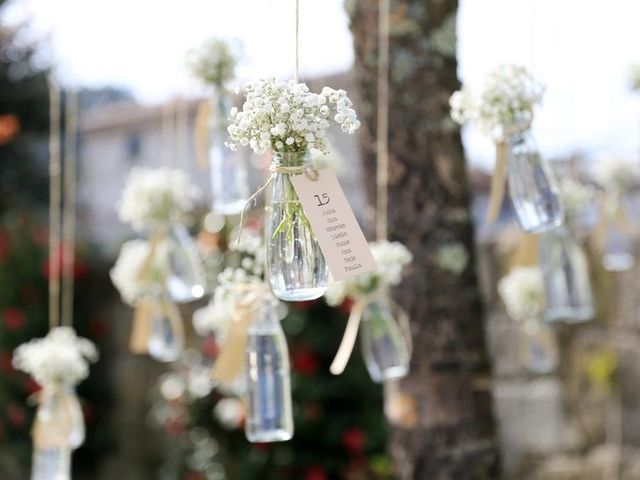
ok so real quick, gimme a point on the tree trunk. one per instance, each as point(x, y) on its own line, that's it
point(442, 414)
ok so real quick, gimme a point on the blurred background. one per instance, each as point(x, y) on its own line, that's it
point(138, 104)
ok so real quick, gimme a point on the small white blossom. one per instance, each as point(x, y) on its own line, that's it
point(505, 101)
point(617, 174)
point(60, 357)
point(522, 293)
point(390, 257)
point(575, 196)
point(125, 274)
point(155, 197)
point(287, 117)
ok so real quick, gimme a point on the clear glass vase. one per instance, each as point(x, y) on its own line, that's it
point(538, 348)
point(268, 382)
point(229, 178)
point(185, 279)
point(619, 249)
point(59, 419)
point(166, 332)
point(51, 464)
point(384, 347)
point(565, 272)
point(532, 186)
point(296, 267)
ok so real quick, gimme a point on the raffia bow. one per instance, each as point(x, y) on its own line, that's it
point(53, 431)
point(353, 325)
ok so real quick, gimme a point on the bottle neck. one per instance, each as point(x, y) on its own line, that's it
point(292, 159)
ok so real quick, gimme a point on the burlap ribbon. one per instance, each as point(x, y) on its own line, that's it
point(201, 133)
point(353, 325)
point(498, 181)
point(527, 251)
point(53, 431)
point(230, 361)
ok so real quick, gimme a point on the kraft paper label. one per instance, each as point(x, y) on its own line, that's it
point(334, 224)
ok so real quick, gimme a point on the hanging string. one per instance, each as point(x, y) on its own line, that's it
point(69, 210)
point(382, 140)
point(296, 72)
point(55, 167)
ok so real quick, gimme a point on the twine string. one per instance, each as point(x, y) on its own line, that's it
point(70, 203)
point(382, 140)
point(296, 72)
point(55, 167)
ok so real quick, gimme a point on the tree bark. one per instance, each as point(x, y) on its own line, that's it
point(442, 415)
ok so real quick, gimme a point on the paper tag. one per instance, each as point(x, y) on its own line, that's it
point(334, 225)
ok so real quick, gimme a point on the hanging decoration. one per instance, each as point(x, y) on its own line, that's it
point(384, 330)
point(522, 292)
point(615, 232)
point(503, 109)
point(214, 65)
point(565, 270)
point(289, 120)
point(59, 361)
point(152, 275)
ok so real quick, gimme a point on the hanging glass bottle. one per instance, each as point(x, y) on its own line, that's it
point(532, 186)
point(229, 179)
point(538, 349)
point(385, 350)
point(296, 267)
point(185, 279)
point(618, 250)
point(58, 429)
point(267, 375)
point(565, 273)
point(166, 332)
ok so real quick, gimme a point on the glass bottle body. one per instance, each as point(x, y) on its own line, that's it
point(532, 186)
point(166, 335)
point(565, 274)
point(228, 169)
point(51, 464)
point(296, 267)
point(185, 278)
point(385, 350)
point(538, 349)
point(268, 382)
point(619, 249)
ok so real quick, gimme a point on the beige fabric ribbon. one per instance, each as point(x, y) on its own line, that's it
point(230, 361)
point(526, 253)
point(498, 181)
point(353, 325)
point(201, 134)
point(53, 431)
point(144, 312)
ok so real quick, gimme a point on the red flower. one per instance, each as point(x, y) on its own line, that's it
point(345, 307)
point(5, 363)
point(9, 127)
point(31, 386)
point(193, 475)
point(13, 318)
point(16, 415)
point(98, 328)
point(316, 472)
point(353, 440)
point(5, 245)
point(210, 347)
point(304, 362)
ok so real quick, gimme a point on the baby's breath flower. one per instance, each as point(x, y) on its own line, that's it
point(505, 101)
point(287, 117)
point(613, 173)
point(522, 293)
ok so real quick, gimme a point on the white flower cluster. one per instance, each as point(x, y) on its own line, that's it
point(522, 292)
point(391, 258)
point(125, 274)
point(154, 197)
point(505, 101)
point(634, 78)
point(575, 196)
point(250, 243)
point(287, 117)
point(214, 318)
point(60, 357)
point(617, 174)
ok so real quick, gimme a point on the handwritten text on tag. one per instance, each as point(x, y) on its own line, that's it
point(334, 225)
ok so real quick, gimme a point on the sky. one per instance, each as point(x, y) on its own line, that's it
point(581, 49)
